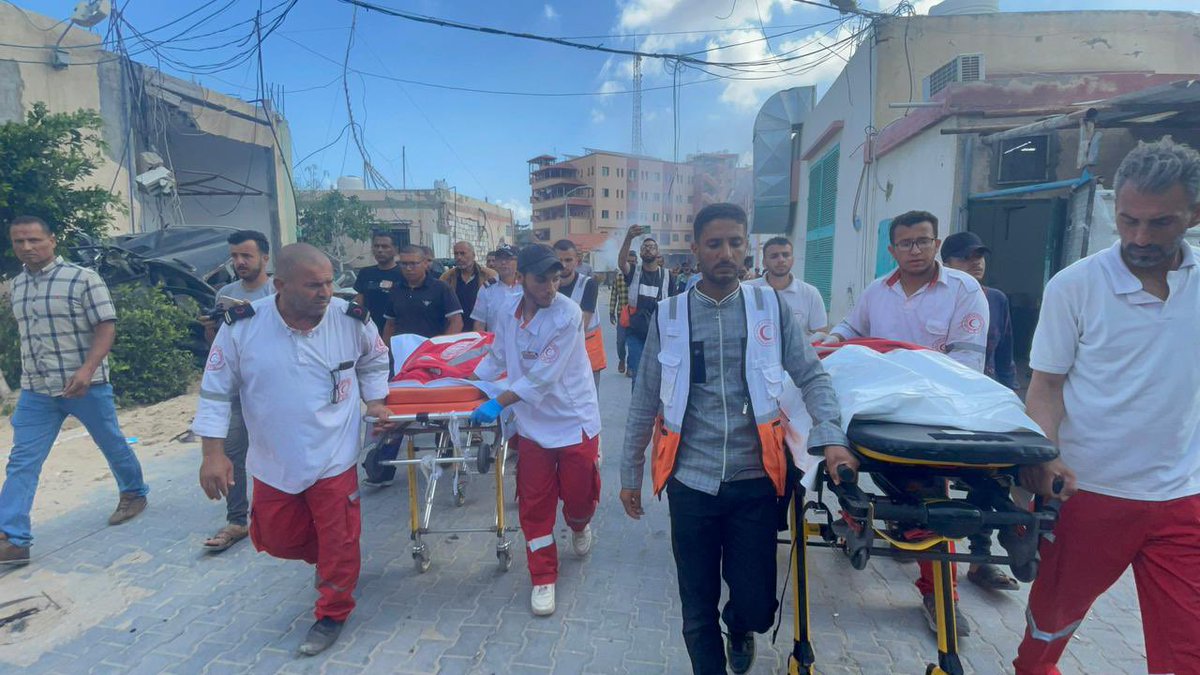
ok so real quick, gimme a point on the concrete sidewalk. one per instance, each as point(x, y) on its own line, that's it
point(144, 598)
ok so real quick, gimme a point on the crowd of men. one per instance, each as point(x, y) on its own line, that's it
point(1115, 384)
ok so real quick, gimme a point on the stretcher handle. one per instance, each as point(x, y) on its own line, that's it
point(846, 474)
point(422, 417)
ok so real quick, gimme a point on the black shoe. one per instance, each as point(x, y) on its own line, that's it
point(739, 650)
point(322, 634)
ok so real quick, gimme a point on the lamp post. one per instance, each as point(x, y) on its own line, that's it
point(567, 204)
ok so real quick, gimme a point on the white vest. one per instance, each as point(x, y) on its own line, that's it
point(765, 376)
point(577, 296)
point(636, 288)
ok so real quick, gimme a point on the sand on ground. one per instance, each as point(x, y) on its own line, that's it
point(76, 468)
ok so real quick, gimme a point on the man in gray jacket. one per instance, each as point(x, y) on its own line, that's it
point(718, 438)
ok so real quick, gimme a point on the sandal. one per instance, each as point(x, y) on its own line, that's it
point(992, 578)
point(227, 536)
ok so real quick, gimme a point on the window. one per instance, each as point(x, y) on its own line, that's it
point(643, 175)
point(687, 237)
point(644, 196)
point(591, 170)
point(604, 214)
point(689, 217)
point(604, 171)
point(620, 215)
point(604, 192)
point(655, 217)
point(679, 217)
point(620, 172)
point(821, 225)
point(620, 193)
point(675, 236)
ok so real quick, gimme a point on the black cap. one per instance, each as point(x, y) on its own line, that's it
point(505, 251)
point(537, 259)
point(963, 245)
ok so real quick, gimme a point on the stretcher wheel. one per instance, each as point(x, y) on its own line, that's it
point(421, 559)
point(460, 495)
point(859, 558)
point(505, 558)
point(485, 457)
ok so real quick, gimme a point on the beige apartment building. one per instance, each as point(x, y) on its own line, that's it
point(592, 199)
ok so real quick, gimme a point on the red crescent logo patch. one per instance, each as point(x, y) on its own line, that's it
point(972, 323)
point(764, 332)
point(216, 359)
point(550, 354)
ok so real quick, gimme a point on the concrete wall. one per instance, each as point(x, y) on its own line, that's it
point(198, 130)
point(923, 171)
point(1020, 43)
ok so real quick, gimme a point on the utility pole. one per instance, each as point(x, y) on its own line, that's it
point(637, 105)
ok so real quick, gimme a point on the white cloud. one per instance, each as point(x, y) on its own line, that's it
point(522, 212)
point(550, 12)
point(598, 116)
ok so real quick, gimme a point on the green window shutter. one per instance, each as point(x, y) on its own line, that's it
point(822, 223)
point(884, 262)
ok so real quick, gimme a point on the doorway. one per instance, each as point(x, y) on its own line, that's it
point(1025, 237)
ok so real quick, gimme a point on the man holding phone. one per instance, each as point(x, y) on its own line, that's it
point(250, 252)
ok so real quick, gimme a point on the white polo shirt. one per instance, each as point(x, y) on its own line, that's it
point(950, 315)
point(1132, 394)
point(549, 369)
point(805, 301)
point(491, 300)
point(302, 426)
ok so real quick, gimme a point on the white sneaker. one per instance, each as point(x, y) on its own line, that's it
point(542, 600)
point(582, 541)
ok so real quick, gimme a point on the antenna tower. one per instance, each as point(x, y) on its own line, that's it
point(637, 105)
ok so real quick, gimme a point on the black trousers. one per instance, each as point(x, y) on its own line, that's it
point(730, 535)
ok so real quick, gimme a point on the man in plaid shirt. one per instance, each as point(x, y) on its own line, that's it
point(616, 303)
point(67, 324)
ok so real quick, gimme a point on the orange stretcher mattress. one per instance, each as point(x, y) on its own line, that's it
point(416, 400)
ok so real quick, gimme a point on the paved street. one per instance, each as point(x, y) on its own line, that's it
point(143, 598)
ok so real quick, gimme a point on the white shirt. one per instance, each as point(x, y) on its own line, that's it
point(950, 314)
point(1132, 393)
point(805, 301)
point(491, 300)
point(297, 436)
point(548, 368)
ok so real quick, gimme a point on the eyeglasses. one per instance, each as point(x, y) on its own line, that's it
point(334, 380)
point(923, 244)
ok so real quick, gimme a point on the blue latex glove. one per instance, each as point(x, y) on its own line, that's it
point(487, 413)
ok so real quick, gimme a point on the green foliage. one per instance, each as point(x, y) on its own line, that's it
point(148, 361)
point(329, 220)
point(10, 346)
point(42, 161)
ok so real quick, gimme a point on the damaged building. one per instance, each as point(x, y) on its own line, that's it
point(178, 154)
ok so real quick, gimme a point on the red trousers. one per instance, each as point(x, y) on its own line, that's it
point(320, 526)
point(925, 581)
point(543, 477)
point(1097, 538)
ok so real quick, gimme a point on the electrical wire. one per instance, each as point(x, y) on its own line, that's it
point(446, 23)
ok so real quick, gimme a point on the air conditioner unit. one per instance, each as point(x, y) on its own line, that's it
point(962, 68)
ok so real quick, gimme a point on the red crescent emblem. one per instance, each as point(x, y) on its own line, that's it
point(972, 323)
point(764, 332)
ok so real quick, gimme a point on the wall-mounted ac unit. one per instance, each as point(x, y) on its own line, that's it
point(962, 68)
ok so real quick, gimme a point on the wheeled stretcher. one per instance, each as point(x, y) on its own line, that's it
point(921, 523)
point(460, 448)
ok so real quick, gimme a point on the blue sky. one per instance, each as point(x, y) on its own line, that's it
point(479, 142)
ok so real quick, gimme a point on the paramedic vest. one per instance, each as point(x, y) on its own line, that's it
point(635, 286)
point(577, 297)
point(764, 381)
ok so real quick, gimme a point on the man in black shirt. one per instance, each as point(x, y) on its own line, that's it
point(375, 284)
point(648, 283)
point(420, 305)
point(467, 277)
point(582, 289)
